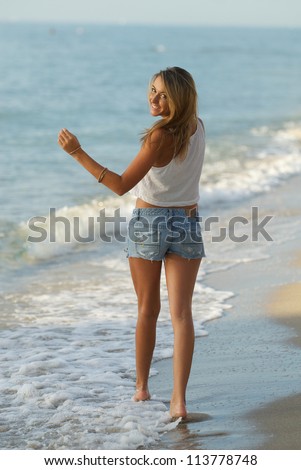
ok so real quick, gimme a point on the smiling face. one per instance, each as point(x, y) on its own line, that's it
point(158, 100)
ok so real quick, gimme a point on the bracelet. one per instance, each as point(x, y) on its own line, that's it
point(73, 151)
point(102, 173)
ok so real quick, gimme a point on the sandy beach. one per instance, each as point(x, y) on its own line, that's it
point(244, 390)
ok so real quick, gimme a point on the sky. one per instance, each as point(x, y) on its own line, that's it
point(194, 12)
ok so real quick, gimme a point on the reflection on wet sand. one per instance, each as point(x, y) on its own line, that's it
point(188, 435)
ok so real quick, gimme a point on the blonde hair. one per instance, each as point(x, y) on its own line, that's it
point(182, 101)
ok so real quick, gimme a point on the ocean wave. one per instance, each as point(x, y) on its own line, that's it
point(69, 228)
point(234, 179)
point(254, 178)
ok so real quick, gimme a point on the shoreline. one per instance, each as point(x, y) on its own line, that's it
point(244, 391)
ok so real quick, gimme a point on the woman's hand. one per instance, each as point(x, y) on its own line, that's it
point(68, 141)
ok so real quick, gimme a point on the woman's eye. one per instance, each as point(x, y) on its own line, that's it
point(162, 95)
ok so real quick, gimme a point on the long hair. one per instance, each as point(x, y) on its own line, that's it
point(182, 101)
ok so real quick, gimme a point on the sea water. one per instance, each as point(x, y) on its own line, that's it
point(68, 308)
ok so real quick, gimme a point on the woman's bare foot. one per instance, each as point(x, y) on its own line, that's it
point(178, 410)
point(141, 395)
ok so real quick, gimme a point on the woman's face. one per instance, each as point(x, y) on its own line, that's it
point(158, 101)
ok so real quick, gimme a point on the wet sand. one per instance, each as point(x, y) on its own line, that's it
point(245, 386)
point(281, 420)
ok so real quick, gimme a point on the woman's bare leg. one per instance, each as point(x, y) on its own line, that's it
point(180, 279)
point(146, 279)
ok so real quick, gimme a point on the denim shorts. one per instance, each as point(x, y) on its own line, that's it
point(154, 233)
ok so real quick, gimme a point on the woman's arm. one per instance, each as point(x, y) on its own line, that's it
point(149, 153)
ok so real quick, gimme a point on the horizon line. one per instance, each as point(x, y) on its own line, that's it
point(145, 24)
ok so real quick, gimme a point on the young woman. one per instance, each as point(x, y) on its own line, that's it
point(164, 177)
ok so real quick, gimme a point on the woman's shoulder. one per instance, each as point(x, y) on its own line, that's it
point(160, 133)
point(160, 138)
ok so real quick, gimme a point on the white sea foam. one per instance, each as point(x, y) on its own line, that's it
point(68, 369)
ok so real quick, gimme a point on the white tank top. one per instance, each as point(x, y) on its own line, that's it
point(177, 183)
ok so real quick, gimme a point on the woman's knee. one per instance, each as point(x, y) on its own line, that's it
point(149, 311)
point(182, 315)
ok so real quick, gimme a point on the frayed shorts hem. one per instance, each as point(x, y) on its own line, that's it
point(166, 256)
